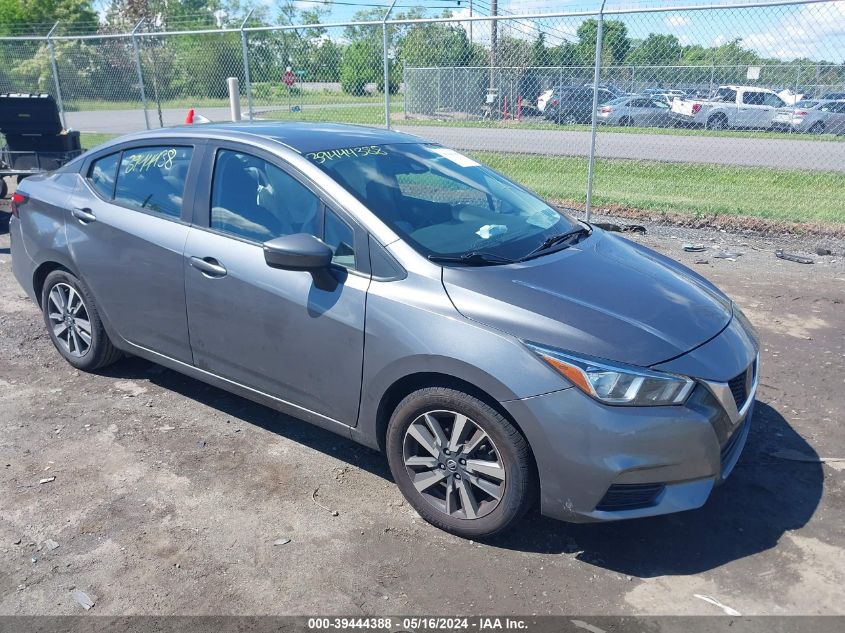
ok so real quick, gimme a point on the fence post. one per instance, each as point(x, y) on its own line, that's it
point(386, 66)
point(140, 71)
point(596, 77)
point(245, 51)
point(56, 75)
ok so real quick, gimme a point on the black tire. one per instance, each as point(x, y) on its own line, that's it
point(511, 447)
point(817, 128)
point(4, 188)
point(100, 351)
point(718, 122)
point(626, 121)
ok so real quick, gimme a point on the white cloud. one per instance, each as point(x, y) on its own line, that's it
point(815, 31)
point(677, 21)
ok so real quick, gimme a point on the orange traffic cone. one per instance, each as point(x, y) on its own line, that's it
point(190, 118)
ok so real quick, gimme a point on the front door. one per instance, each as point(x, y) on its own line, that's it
point(126, 236)
point(274, 330)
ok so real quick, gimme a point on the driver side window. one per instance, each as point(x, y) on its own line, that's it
point(254, 199)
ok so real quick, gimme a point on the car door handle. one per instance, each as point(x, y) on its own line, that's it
point(85, 216)
point(208, 266)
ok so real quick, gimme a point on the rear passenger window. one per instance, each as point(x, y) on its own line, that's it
point(153, 179)
point(102, 175)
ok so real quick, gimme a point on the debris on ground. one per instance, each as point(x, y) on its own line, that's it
point(83, 599)
point(334, 513)
point(702, 261)
point(728, 610)
point(281, 541)
point(729, 255)
point(823, 251)
point(47, 480)
point(50, 544)
point(620, 228)
point(791, 257)
point(130, 388)
point(16, 542)
point(694, 248)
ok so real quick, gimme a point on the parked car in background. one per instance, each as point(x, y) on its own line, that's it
point(642, 111)
point(815, 116)
point(834, 95)
point(497, 349)
point(729, 107)
point(574, 104)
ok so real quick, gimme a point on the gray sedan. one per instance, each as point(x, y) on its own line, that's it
point(396, 292)
point(816, 116)
point(639, 111)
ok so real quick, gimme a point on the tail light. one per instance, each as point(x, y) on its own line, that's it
point(17, 200)
point(555, 102)
point(696, 108)
point(607, 109)
point(799, 113)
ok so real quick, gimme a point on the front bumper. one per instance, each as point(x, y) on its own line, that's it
point(601, 463)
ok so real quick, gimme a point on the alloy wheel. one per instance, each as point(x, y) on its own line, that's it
point(69, 319)
point(454, 464)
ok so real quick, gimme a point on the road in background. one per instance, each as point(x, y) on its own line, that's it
point(810, 155)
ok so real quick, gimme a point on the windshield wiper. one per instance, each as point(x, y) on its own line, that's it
point(554, 240)
point(473, 258)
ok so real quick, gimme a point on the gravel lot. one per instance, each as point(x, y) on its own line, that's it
point(168, 495)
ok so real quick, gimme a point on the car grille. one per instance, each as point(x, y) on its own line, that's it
point(629, 496)
point(739, 386)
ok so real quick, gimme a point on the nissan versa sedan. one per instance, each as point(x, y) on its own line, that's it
point(394, 291)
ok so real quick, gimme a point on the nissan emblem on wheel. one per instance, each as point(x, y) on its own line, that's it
point(499, 351)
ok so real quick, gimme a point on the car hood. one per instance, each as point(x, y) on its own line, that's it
point(604, 297)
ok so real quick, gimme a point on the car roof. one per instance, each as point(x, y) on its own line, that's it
point(303, 137)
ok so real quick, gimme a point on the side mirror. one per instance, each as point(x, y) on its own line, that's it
point(302, 251)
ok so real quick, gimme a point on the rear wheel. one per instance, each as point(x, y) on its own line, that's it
point(74, 324)
point(626, 121)
point(718, 122)
point(461, 464)
point(4, 188)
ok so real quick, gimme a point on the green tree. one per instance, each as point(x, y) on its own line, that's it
point(360, 66)
point(616, 42)
point(656, 50)
point(75, 16)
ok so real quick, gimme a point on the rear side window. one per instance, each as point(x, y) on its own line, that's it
point(153, 179)
point(102, 175)
point(754, 98)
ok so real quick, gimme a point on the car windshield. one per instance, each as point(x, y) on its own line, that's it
point(443, 203)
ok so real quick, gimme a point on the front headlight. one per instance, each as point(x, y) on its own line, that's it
point(617, 384)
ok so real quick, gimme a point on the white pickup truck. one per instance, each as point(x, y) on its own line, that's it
point(729, 107)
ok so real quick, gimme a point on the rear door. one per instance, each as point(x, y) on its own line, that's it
point(268, 329)
point(126, 234)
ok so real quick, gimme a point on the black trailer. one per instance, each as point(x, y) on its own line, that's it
point(35, 139)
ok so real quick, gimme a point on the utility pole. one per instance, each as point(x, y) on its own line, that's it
point(470, 23)
point(494, 27)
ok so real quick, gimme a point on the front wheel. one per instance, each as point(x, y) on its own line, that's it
point(460, 463)
point(74, 324)
point(817, 128)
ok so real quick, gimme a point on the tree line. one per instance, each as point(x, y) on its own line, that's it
point(196, 65)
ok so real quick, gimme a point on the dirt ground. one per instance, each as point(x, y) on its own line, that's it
point(168, 495)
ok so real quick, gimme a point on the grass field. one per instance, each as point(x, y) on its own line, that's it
point(772, 194)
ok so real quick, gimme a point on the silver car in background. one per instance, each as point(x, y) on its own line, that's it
point(814, 116)
point(638, 110)
point(495, 348)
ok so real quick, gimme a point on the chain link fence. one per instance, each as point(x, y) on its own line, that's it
point(699, 119)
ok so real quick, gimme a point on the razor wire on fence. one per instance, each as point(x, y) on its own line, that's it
point(724, 115)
